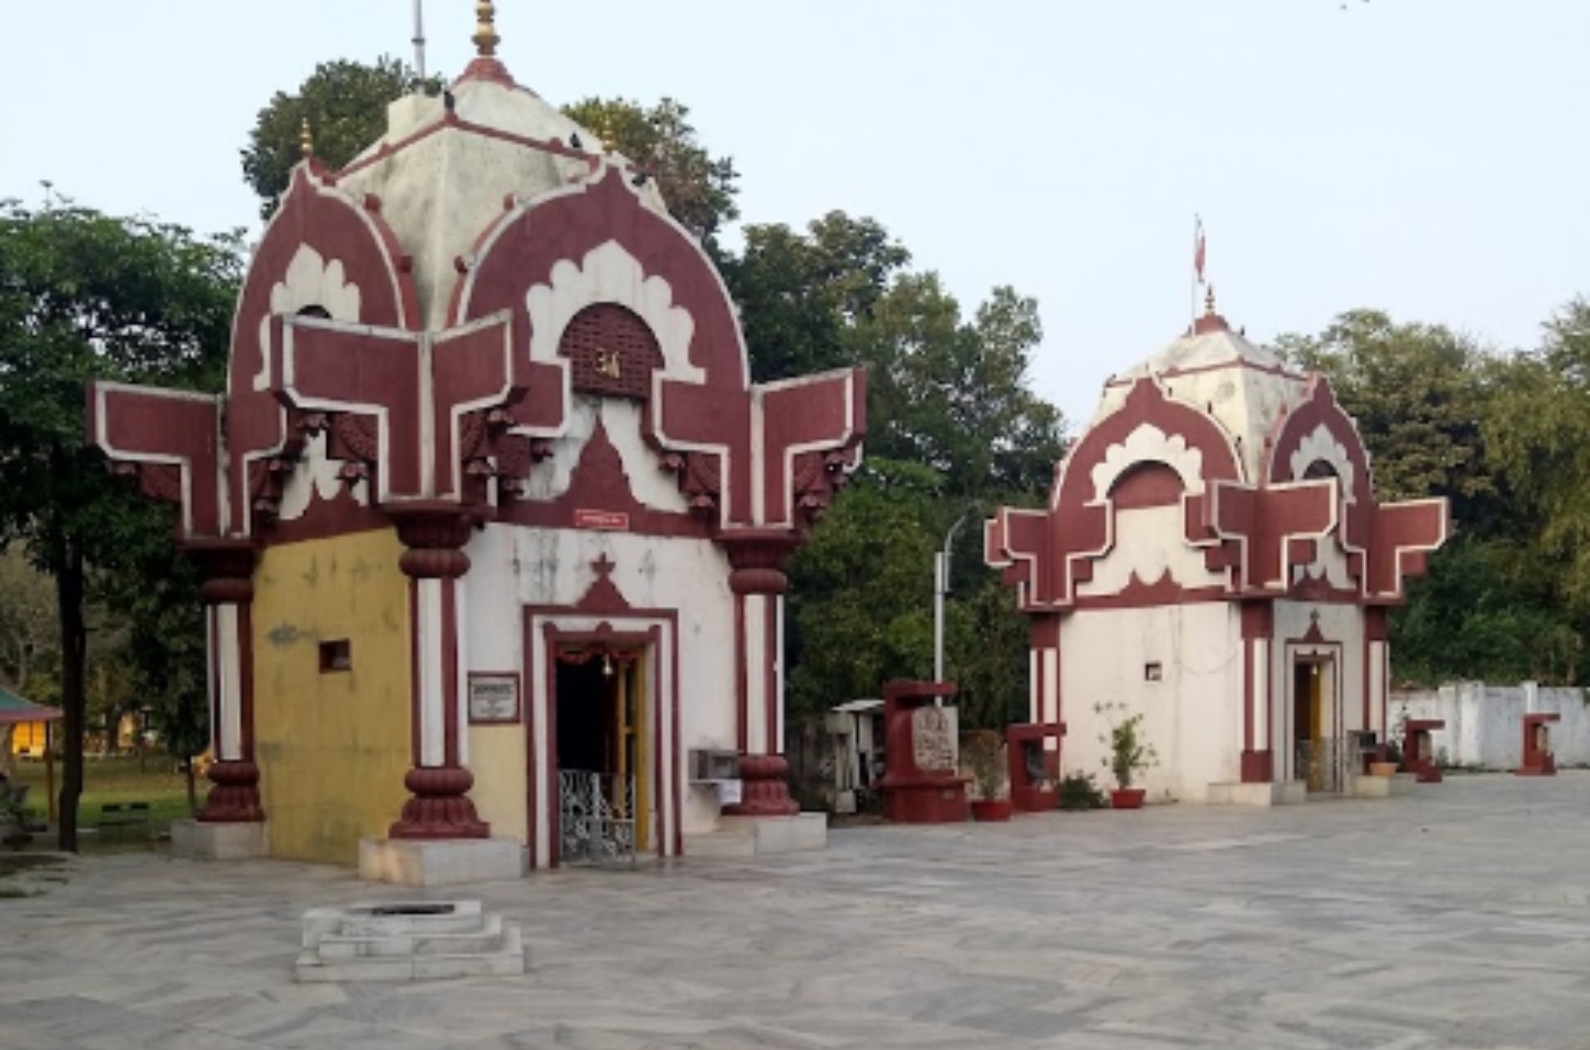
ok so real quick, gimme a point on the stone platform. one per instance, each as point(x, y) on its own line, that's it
point(407, 940)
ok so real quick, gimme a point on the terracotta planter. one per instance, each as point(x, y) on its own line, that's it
point(1382, 769)
point(1127, 798)
point(991, 809)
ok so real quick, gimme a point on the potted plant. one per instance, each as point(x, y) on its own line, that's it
point(986, 761)
point(1129, 753)
point(1389, 762)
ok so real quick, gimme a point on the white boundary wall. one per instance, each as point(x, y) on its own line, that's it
point(1484, 723)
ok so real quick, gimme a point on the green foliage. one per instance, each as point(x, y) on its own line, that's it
point(699, 189)
point(1483, 611)
point(1080, 791)
point(802, 296)
point(1541, 432)
point(1130, 751)
point(862, 591)
point(345, 104)
point(85, 295)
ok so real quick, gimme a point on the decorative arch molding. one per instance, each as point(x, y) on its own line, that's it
point(1318, 429)
point(323, 248)
point(1144, 445)
point(566, 240)
point(1321, 446)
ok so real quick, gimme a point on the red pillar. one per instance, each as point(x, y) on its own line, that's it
point(227, 566)
point(439, 783)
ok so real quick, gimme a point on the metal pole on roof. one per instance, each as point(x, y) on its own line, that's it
point(419, 38)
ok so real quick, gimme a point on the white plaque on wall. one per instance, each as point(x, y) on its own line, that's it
point(493, 697)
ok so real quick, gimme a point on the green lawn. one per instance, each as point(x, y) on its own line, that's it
point(119, 780)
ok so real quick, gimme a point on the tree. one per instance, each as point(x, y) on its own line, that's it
point(345, 104)
point(862, 590)
point(27, 622)
point(802, 295)
point(699, 189)
point(86, 295)
point(1540, 429)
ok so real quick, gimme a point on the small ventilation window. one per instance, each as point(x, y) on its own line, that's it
point(1153, 672)
point(336, 656)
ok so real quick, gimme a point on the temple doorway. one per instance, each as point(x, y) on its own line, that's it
point(1315, 747)
point(601, 752)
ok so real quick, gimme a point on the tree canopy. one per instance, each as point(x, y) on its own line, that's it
point(344, 103)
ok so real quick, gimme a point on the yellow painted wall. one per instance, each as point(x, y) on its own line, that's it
point(497, 758)
point(332, 747)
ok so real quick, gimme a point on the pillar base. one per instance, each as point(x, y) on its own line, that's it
point(441, 807)
point(235, 797)
point(440, 862)
point(764, 789)
point(209, 840)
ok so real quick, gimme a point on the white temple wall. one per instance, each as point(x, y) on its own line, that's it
point(1147, 545)
point(1192, 713)
point(515, 567)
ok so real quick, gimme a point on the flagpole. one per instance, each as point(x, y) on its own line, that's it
point(1192, 299)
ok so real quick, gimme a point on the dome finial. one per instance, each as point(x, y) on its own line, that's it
point(486, 38)
point(1209, 302)
point(306, 140)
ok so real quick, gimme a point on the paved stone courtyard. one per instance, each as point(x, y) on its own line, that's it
point(1456, 917)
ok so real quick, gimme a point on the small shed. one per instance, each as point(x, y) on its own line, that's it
point(855, 733)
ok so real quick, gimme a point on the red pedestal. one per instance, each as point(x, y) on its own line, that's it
point(1418, 752)
point(1538, 758)
point(1034, 771)
point(919, 792)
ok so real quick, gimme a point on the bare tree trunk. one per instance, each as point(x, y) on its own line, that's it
point(74, 702)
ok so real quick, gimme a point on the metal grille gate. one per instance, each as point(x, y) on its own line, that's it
point(596, 818)
point(1325, 764)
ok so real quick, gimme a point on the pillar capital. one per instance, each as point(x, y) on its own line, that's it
point(758, 558)
point(435, 534)
point(227, 568)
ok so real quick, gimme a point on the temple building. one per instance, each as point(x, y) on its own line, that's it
point(1213, 558)
point(492, 520)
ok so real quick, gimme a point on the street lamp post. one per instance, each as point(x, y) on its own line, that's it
point(941, 587)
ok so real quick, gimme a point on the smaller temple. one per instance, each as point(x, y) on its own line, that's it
point(1213, 557)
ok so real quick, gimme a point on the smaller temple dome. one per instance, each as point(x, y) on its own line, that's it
point(1242, 386)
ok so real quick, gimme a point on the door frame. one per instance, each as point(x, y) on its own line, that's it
point(656, 633)
point(1328, 656)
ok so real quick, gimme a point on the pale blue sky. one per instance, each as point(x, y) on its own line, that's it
point(1423, 156)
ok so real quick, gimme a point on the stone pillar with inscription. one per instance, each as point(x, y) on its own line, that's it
point(922, 784)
